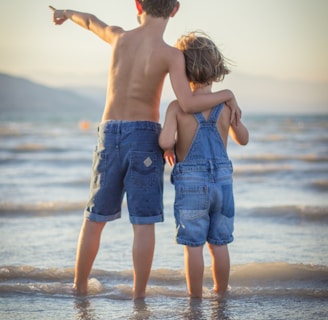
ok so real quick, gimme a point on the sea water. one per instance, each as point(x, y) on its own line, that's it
point(279, 259)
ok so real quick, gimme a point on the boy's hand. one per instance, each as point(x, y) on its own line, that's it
point(58, 16)
point(169, 157)
point(235, 111)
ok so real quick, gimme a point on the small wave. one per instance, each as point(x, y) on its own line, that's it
point(29, 147)
point(280, 273)
point(44, 208)
point(308, 213)
point(35, 147)
point(9, 132)
point(33, 273)
point(28, 273)
point(321, 185)
point(273, 137)
point(255, 278)
point(53, 288)
point(310, 157)
point(251, 169)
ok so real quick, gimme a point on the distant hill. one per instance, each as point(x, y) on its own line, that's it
point(23, 99)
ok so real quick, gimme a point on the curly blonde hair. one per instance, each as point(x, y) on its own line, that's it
point(204, 62)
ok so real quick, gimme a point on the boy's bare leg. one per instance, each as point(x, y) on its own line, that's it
point(220, 267)
point(194, 269)
point(87, 249)
point(142, 252)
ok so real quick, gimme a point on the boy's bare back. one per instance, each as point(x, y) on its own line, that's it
point(140, 62)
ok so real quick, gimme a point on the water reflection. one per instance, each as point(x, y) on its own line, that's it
point(192, 309)
point(220, 310)
point(198, 309)
point(84, 309)
point(141, 311)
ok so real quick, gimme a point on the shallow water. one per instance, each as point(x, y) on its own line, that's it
point(279, 257)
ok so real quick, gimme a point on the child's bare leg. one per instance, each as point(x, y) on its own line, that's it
point(194, 269)
point(87, 249)
point(220, 267)
point(143, 252)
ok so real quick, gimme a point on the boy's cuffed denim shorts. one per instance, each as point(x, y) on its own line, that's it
point(204, 204)
point(127, 159)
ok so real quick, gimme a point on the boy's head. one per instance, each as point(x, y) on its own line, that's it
point(157, 8)
point(204, 62)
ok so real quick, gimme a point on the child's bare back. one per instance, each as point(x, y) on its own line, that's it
point(188, 127)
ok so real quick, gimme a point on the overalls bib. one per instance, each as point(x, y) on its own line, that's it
point(204, 204)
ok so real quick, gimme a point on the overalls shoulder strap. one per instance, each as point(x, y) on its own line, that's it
point(215, 113)
point(199, 117)
point(213, 116)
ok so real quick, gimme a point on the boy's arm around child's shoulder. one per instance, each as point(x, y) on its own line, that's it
point(191, 103)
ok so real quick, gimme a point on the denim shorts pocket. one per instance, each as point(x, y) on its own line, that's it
point(191, 197)
point(146, 170)
point(99, 168)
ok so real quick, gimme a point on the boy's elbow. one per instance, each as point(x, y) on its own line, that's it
point(187, 108)
point(185, 105)
point(90, 21)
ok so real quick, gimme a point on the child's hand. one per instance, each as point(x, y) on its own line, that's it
point(58, 16)
point(169, 157)
point(235, 111)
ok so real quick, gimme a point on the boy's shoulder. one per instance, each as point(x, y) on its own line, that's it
point(168, 50)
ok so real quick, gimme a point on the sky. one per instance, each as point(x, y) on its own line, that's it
point(279, 48)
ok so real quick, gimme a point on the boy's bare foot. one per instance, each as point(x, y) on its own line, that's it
point(79, 292)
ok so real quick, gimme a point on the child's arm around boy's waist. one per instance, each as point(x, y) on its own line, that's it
point(167, 136)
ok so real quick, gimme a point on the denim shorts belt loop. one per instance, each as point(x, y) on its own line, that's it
point(209, 170)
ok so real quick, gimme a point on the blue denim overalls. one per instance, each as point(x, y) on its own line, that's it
point(204, 203)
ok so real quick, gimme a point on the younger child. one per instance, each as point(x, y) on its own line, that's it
point(202, 174)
